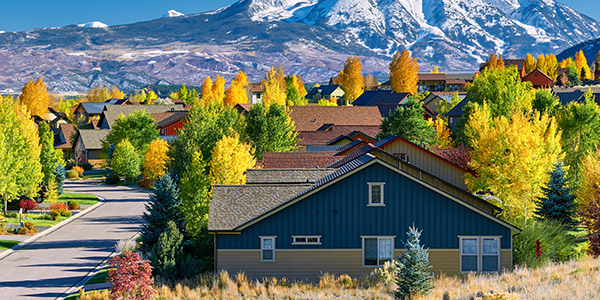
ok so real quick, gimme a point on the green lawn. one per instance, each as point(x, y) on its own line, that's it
point(7, 244)
point(83, 199)
point(37, 219)
point(96, 175)
point(100, 277)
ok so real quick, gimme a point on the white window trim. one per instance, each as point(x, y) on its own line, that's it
point(378, 237)
point(382, 185)
point(294, 237)
point(262, 238)
point(479, 253)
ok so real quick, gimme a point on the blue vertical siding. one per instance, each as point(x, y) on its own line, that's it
point(339, 213)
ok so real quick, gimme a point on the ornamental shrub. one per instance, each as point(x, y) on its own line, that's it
point(86, 166)
point(58, 206)
point(27, 204)
point(167, 251)
point(72, 173)
point(112, 178)
point(79, 170)
point(30, 227)
point(65, 213)
point(73, 205)
point(54, 214)
point(131, 277)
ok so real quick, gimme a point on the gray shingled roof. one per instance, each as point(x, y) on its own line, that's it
point(287, 176)
point(92, 138)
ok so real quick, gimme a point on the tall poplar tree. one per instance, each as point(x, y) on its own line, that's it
point(351, 79)
point(275, 87)
point(236, 93)
point(530, 63)
point(49, 157)
point(404, 73)
point(35, 97)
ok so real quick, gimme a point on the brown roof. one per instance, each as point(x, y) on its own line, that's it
point(311, 118)
point(67, 130)
point(243, 108)
point(285, 176)
point(323, 137)
point(298, 160)
point(334, 80)
point(455, 81)
point(112, 112)
point(432, 76)
point(256, 88)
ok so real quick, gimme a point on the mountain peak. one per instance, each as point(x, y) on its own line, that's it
point(172, 14)
point(94, 24)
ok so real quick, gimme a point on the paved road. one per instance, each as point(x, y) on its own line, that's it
point(51, 265)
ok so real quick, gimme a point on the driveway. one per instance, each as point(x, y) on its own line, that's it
point(48, 267)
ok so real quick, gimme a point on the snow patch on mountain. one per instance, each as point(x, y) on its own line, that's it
point(173, 14)
point(275, 10)
point(94, 24)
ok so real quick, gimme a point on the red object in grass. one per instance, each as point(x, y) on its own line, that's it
point(538, 250)
point(27, 204)
point(58, 206)
point(131, 277)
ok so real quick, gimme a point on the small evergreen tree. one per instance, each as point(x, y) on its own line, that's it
point(413, 270)
point(162, 208)
point(167, 251)
point(558, 202)
point(61, 175)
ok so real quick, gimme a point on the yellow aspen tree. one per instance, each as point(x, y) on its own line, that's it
point(590, 183)
point(436, 70)
point(236, 93)
point(552, 66)
point(299, 85)
point(495, 62)
point(275, 87)
point(404, 73)
point(443, 133)
point(541, 63)
point(565, 62)
point(115, 93)
point(207, 91)
point(530, 63)
point(511, 157)
point(35, 98)
point(156, 159)
point(219, 90)
point(230, 160)
point(351, 79)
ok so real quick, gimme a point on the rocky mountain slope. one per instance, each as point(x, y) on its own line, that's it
point(308, 37)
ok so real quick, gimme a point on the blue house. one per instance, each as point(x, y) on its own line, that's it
point(301, 223)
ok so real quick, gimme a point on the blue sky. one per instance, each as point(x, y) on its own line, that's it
point(18, 15)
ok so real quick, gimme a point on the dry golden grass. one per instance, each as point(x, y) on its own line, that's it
point(572, 280)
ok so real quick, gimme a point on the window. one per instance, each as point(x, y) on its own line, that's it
point(479, 254)
point(376, 194)
point(306, 240)
point(267, 248)
point(377, 250)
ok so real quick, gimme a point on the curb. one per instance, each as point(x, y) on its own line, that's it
point(52, 229)
point(79, 285)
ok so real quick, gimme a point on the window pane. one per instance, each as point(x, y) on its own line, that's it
point(469, 246)
point(469, 264)
point(313, 240)
point(490, 263)
point(268, 243)
point(370, 252)
point(267, 255)
point(386, 250)
point(300, 240)
point(376, 194)
point(490, 246)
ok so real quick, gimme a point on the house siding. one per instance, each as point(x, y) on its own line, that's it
point(339, 213)
point(172, 128)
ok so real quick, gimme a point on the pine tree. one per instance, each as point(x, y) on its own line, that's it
point(414, 274)
point(61, 175)
point(162, 208)
point(404, 73)
point(558, 202)
point(167, 252)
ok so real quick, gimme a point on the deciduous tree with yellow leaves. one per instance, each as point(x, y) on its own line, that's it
point(551, 66)
point(582, 66)
point(207, 91)
point(230, 160)
point(530, 63)
point(156, 159)
point(236, 93)
point(219, 90)
point(588, 194)
point(35, 98)
point(275, 87)
point(495, 62)
point(404, 73)
point(541, 63)
point(443, 133)
point(351, 79)
point(511, 157)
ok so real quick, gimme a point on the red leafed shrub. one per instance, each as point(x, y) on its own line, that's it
point(27, 204)
point(58, 206)
point(131, 277)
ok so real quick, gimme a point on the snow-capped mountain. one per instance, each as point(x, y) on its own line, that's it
point(172, 14)
point(94, 24)
point(311, 38)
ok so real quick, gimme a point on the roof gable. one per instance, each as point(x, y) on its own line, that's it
point(322, 90)
point(376, 98)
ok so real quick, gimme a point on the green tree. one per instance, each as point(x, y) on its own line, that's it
point(270, 129)
point(137, 127)
point(61, 175)
point(408, 122)
point(546, 102)
point(445, 106)
point(558, 202)
point(49, 157)
point(20, 168)
point(573, 74)
point(206, 125)
point(413, 276)
point(195, 196)
point(580, 125)
point(162, 208)
point(167, 252)
point(126, 161)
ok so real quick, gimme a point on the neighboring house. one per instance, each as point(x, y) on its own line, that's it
point(304, 160)
point(55, 119)
point(387, 102)
point(112, 112)
point(435, 82)
point(255, 92)
point(351, 137)
point(62, 139)
point(519, 63)
point(425, 160)
point(169, 125)
point(115, 101)
point(433, 100)
point(299, 225)
point(86, 111)
point(575, 96)
point(327, 92)
point(539, 79)
point(88, 143)
point(456, 113)
point(328, 132)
